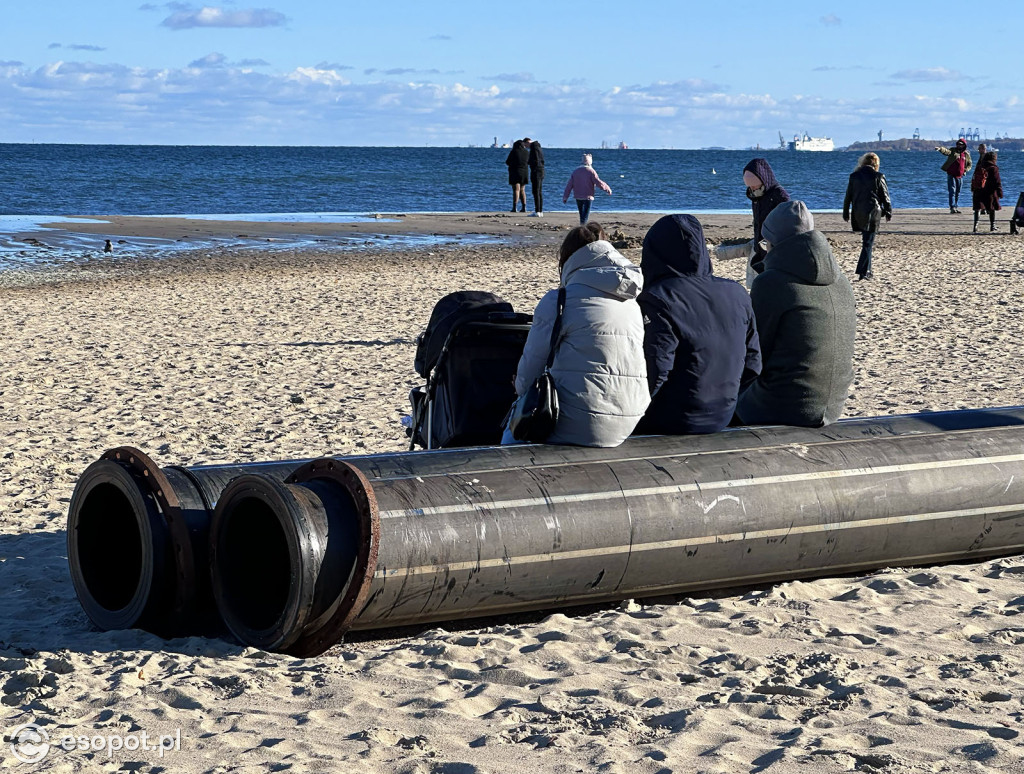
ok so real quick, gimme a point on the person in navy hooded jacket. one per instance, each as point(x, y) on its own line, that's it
point(700, 338)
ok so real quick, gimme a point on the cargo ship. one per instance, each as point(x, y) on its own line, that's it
point(808, 143)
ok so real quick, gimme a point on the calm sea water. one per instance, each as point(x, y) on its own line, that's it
point(193, 180)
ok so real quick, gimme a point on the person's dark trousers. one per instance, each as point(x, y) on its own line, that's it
point(954, 184)
point(537, 183)
point(583, 205)
point(866, 246)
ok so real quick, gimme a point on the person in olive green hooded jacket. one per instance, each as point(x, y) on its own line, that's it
point(806, 318)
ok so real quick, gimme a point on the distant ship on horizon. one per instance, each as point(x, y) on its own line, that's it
point(808, 143)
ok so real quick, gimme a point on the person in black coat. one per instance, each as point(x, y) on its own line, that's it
point(536, 164)
point(986, 190)
point(765, 194)
point(518, 173)
point(700, 339)
point(866, 202)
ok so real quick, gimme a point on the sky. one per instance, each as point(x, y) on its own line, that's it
point(651, 73)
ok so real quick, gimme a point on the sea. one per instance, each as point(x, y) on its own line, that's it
point(39, 182)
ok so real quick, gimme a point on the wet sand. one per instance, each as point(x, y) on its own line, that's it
point(247, 354)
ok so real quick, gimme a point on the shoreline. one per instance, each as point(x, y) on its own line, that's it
point(59, 240)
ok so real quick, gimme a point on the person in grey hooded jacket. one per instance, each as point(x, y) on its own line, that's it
point(599, 368)
point(806, 318)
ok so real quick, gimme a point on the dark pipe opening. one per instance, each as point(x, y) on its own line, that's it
point(254, 564)
point(110, 547)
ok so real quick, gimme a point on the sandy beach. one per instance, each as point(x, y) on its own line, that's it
point(247, 354)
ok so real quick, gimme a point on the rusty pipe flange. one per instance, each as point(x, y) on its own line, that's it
point(331, 626)
point(128, 552)
point(184, 595)
point(264, 559)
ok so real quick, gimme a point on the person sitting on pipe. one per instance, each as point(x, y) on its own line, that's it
point(700, 340)
point(598, 369)
point(806, 317)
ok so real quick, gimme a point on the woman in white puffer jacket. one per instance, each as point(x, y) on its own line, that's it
point(599, 368)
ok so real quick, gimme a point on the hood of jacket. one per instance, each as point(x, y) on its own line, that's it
point(600, 266)
point(673, 247)
point(806, 256)
point(763, 170)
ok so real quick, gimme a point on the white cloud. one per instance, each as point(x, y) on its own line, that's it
point(187, 17)
point(333, 66)
point(210, 60)
point(217, 101)
point(521, 77)
point(831, 20)
point(928, 75)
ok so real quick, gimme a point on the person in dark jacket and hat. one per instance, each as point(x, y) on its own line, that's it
point(700, 340)
point(956, 165)
point(806, 319)
point(866, 202)
point(536, 163)
point(987, 190)
point(765, 195)
point(517, 162)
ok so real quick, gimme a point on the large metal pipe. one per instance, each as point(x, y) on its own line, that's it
point(361, 543)
point(138, 538)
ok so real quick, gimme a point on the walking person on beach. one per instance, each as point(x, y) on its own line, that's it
point(955, 166)
point(536, 164)
point(765, 194)
point(518, 173)
point(581, 184)
point(986, 190)
point(806, 320)
point(866, 202)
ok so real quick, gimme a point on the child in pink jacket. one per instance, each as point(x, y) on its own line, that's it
point(582, 181)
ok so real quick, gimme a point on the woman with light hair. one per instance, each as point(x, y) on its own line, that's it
point(867, 200)
point(581, 184)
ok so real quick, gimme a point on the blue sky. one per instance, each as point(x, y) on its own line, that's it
point(653, 73)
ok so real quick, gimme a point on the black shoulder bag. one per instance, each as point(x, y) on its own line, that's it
point(535, 413)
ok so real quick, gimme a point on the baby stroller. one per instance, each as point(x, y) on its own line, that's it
point(1017, 218)
point(468, 354)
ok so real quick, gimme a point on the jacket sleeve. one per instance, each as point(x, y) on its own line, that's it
point(509, 159)
point(967, 161)
point(660, 343)
point(848, 200)
point(602, 184)
point(568, 189)
point(998, 182)
point(945, 151)
point(768, 311)
point(883, 195)
point(538, 342)
point(752, 364)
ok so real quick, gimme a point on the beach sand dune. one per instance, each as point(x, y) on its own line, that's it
point(248, 356)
